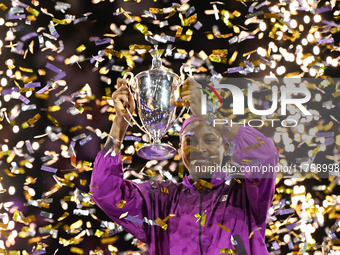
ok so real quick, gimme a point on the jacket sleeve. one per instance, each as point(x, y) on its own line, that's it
point(108, 188)
point(258, 157)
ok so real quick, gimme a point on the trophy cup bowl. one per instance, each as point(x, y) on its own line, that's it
point(156, 96)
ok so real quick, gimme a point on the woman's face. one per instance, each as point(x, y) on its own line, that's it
point(200, 147)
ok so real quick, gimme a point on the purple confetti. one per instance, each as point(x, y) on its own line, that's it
point(329, 141)
point(44, 89)
point(132, 138)
point(235, 69)
point(290, 245)
point(9, 91)
point(275, 245)
point(53, 68)
point(32, 85)
point(134, 219)
point(198, 25)
point(49, 169)
point(330, 23)
point(293, 225)
point(71, 149)
point(287, 211)
point(38, 252)
point(251, 8)
point(325, 134)
point(85, 140)
point(103, 41)
point(20, 46)
point(323, 9)
point(336, 224)
point(29, 147)
point(59, 76)
point(28, 36)
point(24, 99)
point(327, 39)
point(12, 17)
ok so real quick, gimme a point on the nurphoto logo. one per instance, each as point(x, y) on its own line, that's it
point(238, 104)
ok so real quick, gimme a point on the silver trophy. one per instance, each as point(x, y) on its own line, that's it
point(157, 92)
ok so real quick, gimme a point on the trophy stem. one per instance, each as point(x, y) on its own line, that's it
point(156, 137)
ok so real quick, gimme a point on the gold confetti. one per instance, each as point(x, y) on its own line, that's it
point(156, 10)
point(142, 28)
point(217, 59)
point(33, 11)
point(223, 227)
point(168, 217)
point(133, 47)
point(28, 70)
point(65, 214)
point(31, 121)
point(179, 31)
point(62, 22)
point(164, 190)
point(99, 233)
point(246, 161)
point(205, 183)
point(233, 57)
point(54, 108)
point(252, 232)
point(76, 224)
point(77, 250)
point(162, 224)
point(51, 118)
point(73, 129)
point(81, 48)
point(228, 251)
point(83, 182)
point(122, 204)
point(3, 7)
point(272, 15)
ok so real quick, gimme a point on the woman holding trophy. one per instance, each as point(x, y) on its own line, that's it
point(205, 214)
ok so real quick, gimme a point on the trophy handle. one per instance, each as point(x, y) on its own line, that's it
point(131, 79)
point(178, 116)
point(182, 71)
point(133, 91)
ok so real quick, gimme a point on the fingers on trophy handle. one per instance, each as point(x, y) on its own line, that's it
point(126, 75)
point(183, 69)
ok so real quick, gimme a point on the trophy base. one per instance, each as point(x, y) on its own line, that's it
point(157, 151)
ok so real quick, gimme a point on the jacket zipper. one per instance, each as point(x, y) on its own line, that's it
point(200, 231)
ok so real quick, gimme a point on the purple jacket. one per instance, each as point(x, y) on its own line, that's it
point(241, 207)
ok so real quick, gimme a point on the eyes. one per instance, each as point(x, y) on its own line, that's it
point(209, 140)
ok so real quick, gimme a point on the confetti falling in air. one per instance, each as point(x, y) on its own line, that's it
point(58, 66)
